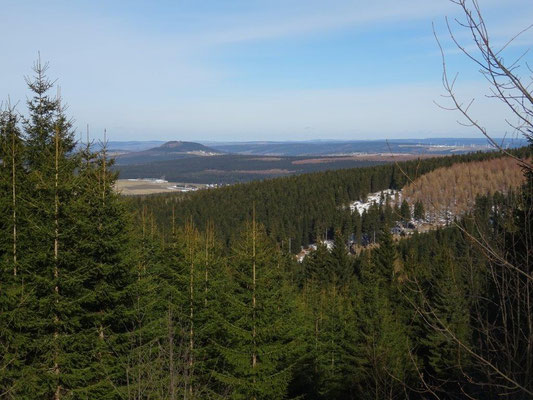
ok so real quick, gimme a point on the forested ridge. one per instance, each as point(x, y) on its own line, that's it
point(300, 209)
point(234, 168)
point(198, 297)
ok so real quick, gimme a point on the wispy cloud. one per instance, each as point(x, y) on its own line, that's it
point(150, 67)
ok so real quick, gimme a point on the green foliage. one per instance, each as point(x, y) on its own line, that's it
point(64, 281)
point(419, 212)
point(257, 321)
point(405, 211)
point(13, 236)
point(450, 313)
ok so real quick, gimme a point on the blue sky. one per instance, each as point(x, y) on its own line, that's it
point(254, 70)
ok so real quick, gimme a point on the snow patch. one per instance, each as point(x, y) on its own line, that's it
point(374, 198)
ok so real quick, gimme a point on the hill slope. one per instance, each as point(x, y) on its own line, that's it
point(297, 206)
point(454, 189)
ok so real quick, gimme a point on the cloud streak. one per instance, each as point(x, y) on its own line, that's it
point(175, 68)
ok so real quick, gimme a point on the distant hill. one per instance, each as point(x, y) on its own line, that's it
point(442, 146)
point(172, 150)
point(181, 147)
point(132, 145)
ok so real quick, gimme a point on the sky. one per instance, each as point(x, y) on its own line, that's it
point(243, 70)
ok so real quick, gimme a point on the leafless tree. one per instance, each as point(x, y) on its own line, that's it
point(509, 82)
point(502, 354)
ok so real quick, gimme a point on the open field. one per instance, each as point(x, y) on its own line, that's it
point(379, 157)
point(130, 187)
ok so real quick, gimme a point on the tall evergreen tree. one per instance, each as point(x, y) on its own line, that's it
point(54, 278)
point(450, 316)
point(99, 242)
point(405, 211)
point(341, 267)
point(385, 343)
point(385, 260)
point(14, 236)
point(419, 212)
point(257, 322)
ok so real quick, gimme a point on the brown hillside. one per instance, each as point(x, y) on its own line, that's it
point(454, 189)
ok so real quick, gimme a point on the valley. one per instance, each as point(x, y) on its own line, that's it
point(299, 200)
point(221, 164)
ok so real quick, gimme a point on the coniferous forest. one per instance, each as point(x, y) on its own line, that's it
point(201, 297)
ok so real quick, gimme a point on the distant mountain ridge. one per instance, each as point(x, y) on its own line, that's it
point(319, 147)
point(338, 147)
point(171, 150)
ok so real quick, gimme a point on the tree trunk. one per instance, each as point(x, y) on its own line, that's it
point(14, 192)
point(254, 353)
point(57, 394)
point(172, 384)
point(191, 310)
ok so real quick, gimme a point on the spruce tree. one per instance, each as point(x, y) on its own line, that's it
point(316, 266)
point(51, 267)
point(449, 319)
point(13, 238)
point(75, 270)
point(419, 212)
point(101, 240)
point(385, 343)
point(338, 350)
point(257, 322)
point(405, 211)
point(385, 257)
point(341, 267)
